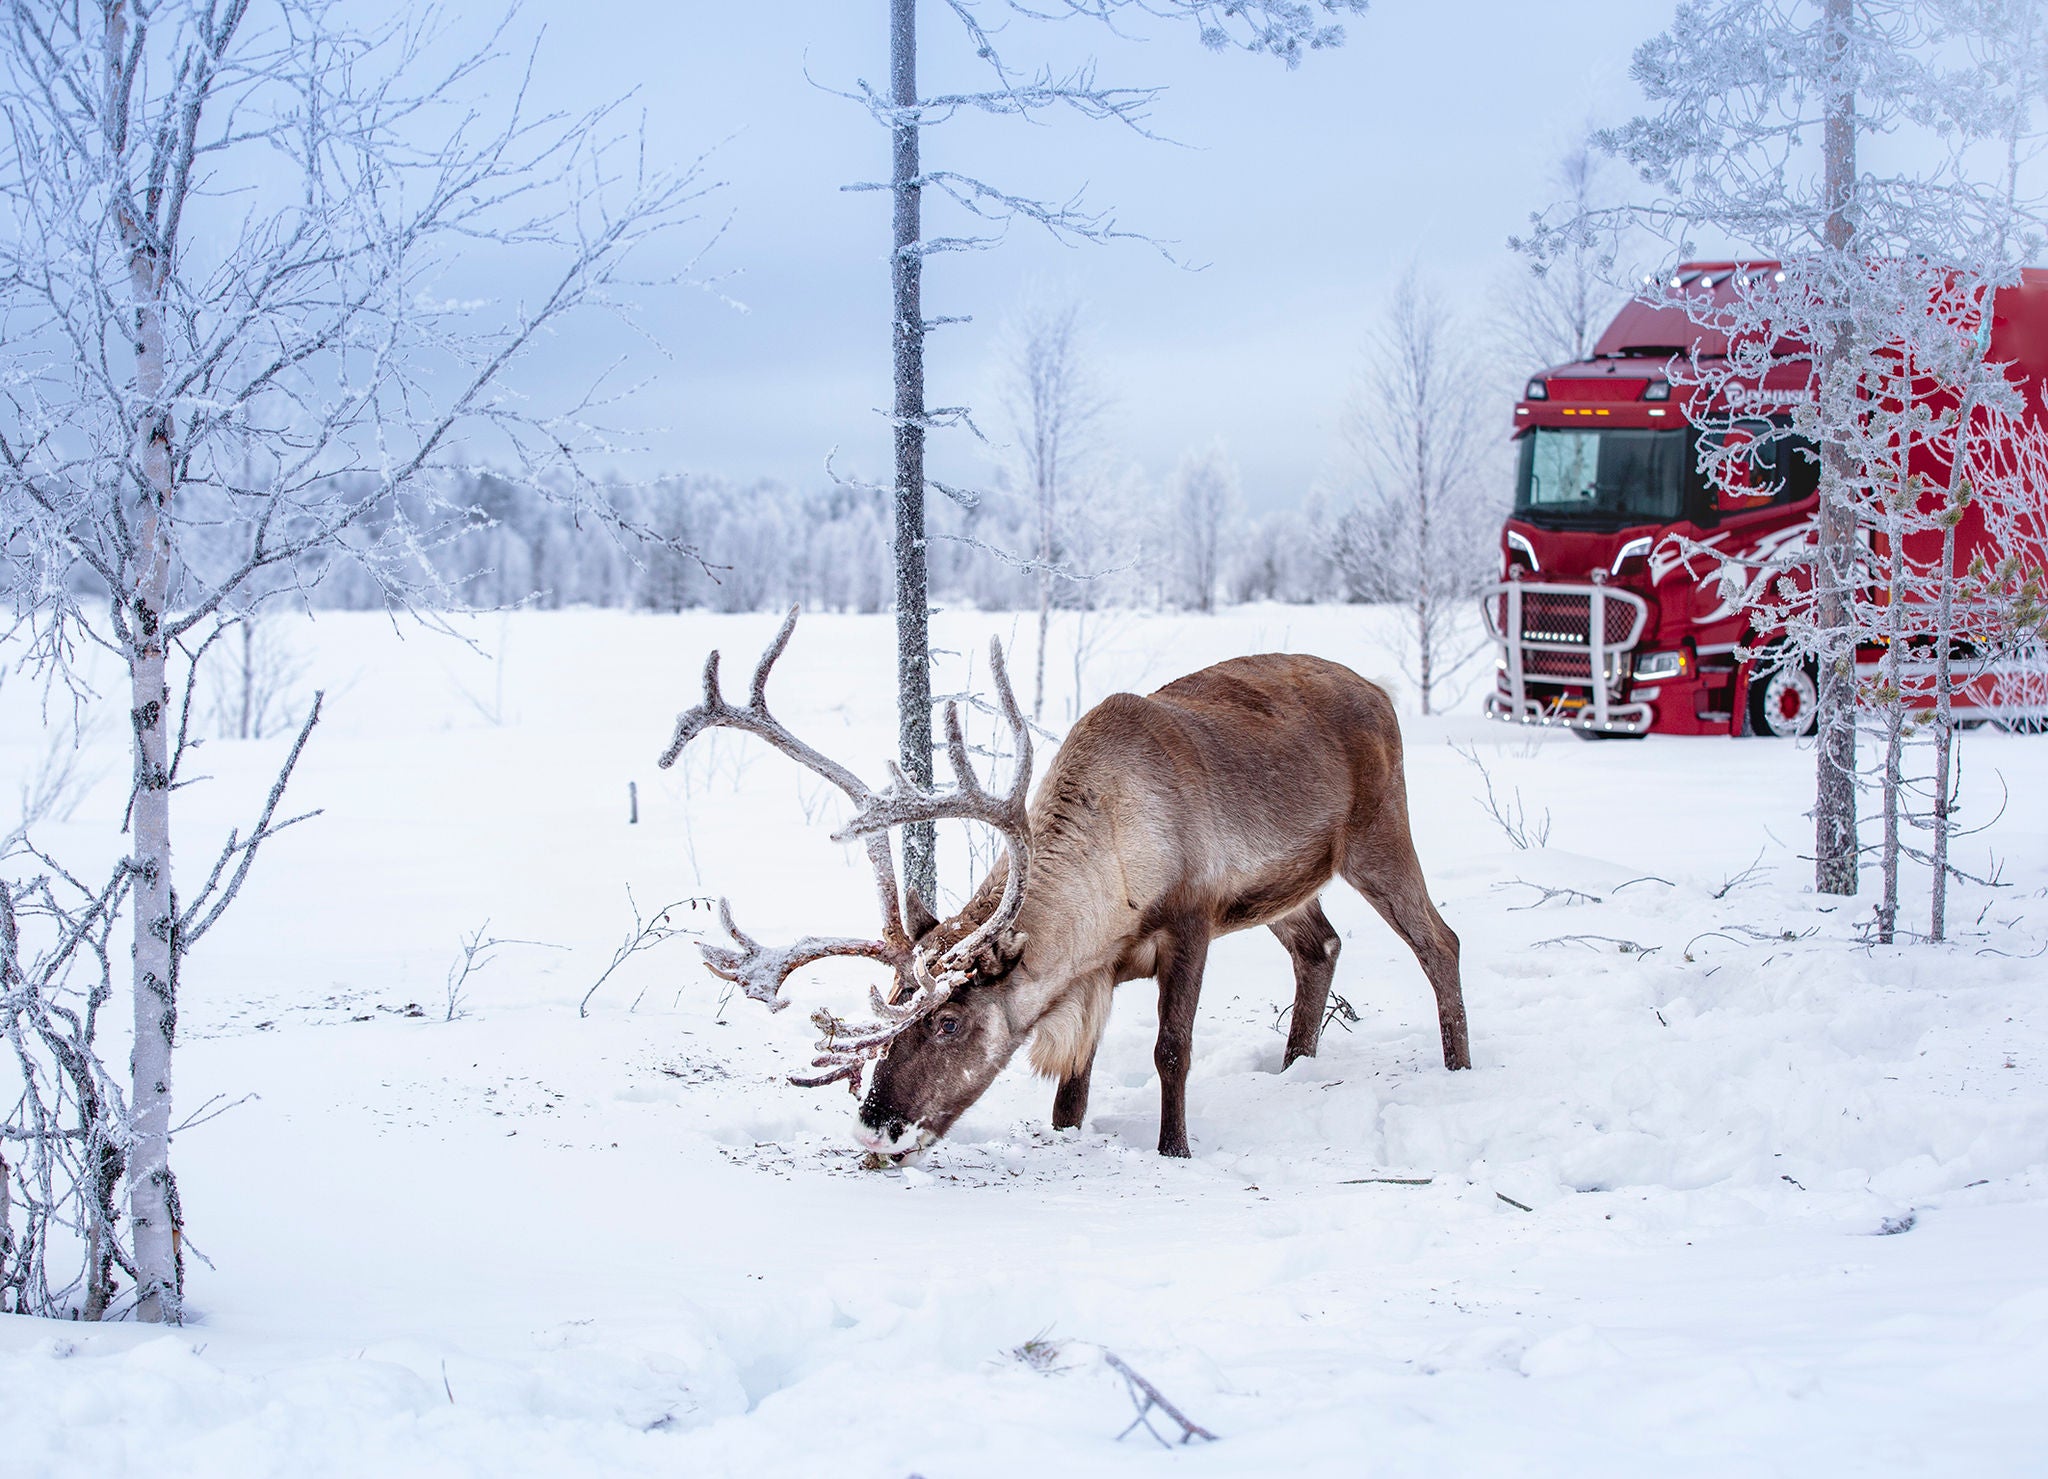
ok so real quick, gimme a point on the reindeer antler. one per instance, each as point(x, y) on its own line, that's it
point(845, 1048)
point(907, 802)
point(758, 970)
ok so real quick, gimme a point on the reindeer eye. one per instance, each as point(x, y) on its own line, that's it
point(946, 1026)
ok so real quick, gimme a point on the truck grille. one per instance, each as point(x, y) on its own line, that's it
point(1566, 617)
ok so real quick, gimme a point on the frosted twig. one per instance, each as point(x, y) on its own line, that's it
point(210, 1111)
point(479, 950)
point(644, 935)
point(214, 896)
point(1626, 947)
point(1747, 878)
point(1509, 815)
point(1546, 893)
point(1148, 1398)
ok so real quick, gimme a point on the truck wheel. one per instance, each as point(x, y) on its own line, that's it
point(1784, 701)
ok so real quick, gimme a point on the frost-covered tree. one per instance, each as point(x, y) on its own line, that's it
point(1423, 513)
point(1845, 139)
point(1204, 502)
point(1552, 312)
point(1055, 409)
point(1287, 29)
point(242, 247)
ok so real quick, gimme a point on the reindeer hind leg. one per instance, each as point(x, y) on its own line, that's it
point(1313, 943)
point(1381, 864)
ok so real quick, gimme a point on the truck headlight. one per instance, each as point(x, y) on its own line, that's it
point(1652, 666)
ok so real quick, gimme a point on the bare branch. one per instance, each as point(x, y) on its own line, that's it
point(645, 935)
point(192, 922)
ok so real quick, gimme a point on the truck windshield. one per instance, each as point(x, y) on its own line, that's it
point(1601, 478)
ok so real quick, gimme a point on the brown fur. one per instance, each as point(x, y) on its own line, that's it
point(1227, 800)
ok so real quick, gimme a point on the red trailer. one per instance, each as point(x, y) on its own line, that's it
point(1608, 618)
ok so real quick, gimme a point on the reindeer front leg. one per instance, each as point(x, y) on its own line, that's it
point(1070, 1103)
point(1182, 956)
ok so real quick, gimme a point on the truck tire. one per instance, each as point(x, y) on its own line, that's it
point(1784, 700)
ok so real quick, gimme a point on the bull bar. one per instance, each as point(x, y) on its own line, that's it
point(1554, 646)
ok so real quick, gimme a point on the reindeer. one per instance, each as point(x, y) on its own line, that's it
point(1226, 800)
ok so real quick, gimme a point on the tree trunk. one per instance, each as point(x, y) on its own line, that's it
point(153, 1197)
point(1893, 696)
point(1834, 808)
point(152, 1193)
point(913, 634)
point(1425, 652)
point(1044, 631)
point(1045, 515)
point(248, 635)
point(1944, 662)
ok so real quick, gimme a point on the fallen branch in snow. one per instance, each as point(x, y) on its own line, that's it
point(1645, 878)
point(645, 935)
point(1145, 1397)
point(1569, 895)
point(1042, 1354)
point(1388, 1181)
point(1338, 1010)
point(1779, 936)
point(1626, 947)
point(1749, 935)
point(2014, 955)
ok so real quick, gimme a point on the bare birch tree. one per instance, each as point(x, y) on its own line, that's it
point(239, 242)
point(1054, 407)
point(1204, 500)
point(1421, 523)
point(1554, 311)
point(1286, 29)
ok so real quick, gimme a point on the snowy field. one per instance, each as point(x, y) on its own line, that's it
point(1726, 1192)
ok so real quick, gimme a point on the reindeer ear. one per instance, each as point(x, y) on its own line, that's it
point(999, 956)
point(917, 915)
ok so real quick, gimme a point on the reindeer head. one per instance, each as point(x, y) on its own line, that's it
point(945, 1059)
point(945, 1029)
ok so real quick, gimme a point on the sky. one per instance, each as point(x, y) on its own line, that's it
point(1293, 201)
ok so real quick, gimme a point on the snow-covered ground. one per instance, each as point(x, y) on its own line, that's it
point(1727, 1191)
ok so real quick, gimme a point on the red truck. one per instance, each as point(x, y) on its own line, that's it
point(1603, 621)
